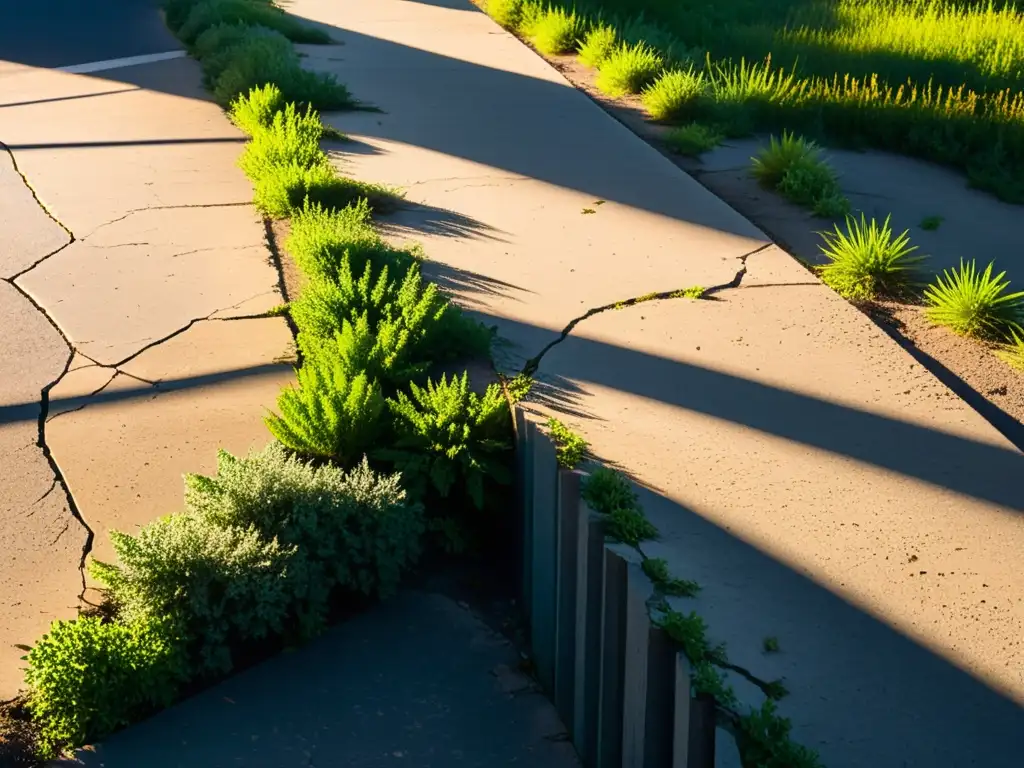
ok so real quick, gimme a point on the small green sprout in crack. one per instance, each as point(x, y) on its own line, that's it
point(931, 223)
point(610, 494)
point(517, 387)
point(587, 211)
point(657, 571)
point(570, 448)
point(694, 292)
point(771, 645)
point(279, 311)
point(775, 690)
point(763, 738)
point(690, 631)
point(646, 297)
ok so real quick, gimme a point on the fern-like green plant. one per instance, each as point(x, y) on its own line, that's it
point(448, 436)
point(867, 259)
point(331, 413)
point(255, 111)
point(290, 138)
point(570, 448)
point(218, 46)
point(973, 303)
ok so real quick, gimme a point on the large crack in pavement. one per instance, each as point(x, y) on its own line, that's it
point(705, 294)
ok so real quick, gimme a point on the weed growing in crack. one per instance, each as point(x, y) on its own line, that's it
point(256, 111)
point(693, 292)
point(673, 95)
point(556, 31)
point(518, 387)
point(765, 740)
point(867, 260)
point(570, 448)
point(931, 223)
point(507, 13)
point(668, 585)
point(972, 303)
point(694, 139)
point(628, 69)
point(610, 494)
point(770, 645)
point(794, 167)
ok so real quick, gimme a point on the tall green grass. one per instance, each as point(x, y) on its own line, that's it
point(934, 79)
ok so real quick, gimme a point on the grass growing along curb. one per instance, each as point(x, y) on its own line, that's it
point(762, 735)
point(794, 167)
point(867, 260)
point(920, 101)
point(693, 139)
point(973, 303)
point(556, 31)
point(674, 94)
point(628, 69)
point(210, 13)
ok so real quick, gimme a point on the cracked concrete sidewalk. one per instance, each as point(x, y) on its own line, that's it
point(823, 487)
point(133, 273)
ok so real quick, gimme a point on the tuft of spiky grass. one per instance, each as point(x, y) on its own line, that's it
point(556, 31)
point(794, 167)
point(1013, 353)
point(867, 259)
point(629, 69)
point(598, 44)
point(693, 139)
point(973, 303)
point(290, 137)
point(673, 95)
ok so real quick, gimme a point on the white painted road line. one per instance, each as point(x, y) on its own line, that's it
point(130, 61)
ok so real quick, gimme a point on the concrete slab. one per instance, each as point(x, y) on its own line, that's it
point(27, 233)
point(125, 449)
point(40, 537)
point(776, 423)
point(880, 184)
point(149, 274)
point(418, 682)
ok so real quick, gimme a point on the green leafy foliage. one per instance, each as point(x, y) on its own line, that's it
point(1012, 353)
point(795, 168)
point(598, 44)
point(87, 678)
point(867, 259)
point(518, 387)
point(323, 238)
point(290, 137)
point(209, 13)
point(256, 111)
point(610, 494)
point(657, 571)
point(973, 303)
point(331, 413)
point(709, 679)
point(259, 60)
point(629, 69)
point(218, 45)
point(507, 13)
point(693, 139)
point(570, 448)
point(690, 631)
point(771, 164)
point(265, 541)
point(282, 192)
point(674, 94)
point(449, 437)
point(764, 740)
point(556, 31)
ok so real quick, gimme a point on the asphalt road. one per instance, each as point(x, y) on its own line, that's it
point(61, 33)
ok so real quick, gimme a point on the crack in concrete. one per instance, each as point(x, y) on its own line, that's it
point(133, 211)
point(533, 363)
point(86, 397)
point(483, 176)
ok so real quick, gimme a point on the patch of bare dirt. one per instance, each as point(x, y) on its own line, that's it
point(17, 737)
point(291, 277)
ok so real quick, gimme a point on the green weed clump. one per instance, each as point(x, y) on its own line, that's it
point(674, 94)
point(556, 31)
point(210, 13)
point(972, 303)
point(570, 448)
point(610, 494)
point(448, 438)
point(793, 166)
point(289, 137)
point(1012, 353)
point(598, 44)
point(330, 413)
point(263, 543)
point(255, 111)
point(217, 46)
point(694, 139)
point(629, 69)
point(507, 13)
point(867, 259)
point(86, 678)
